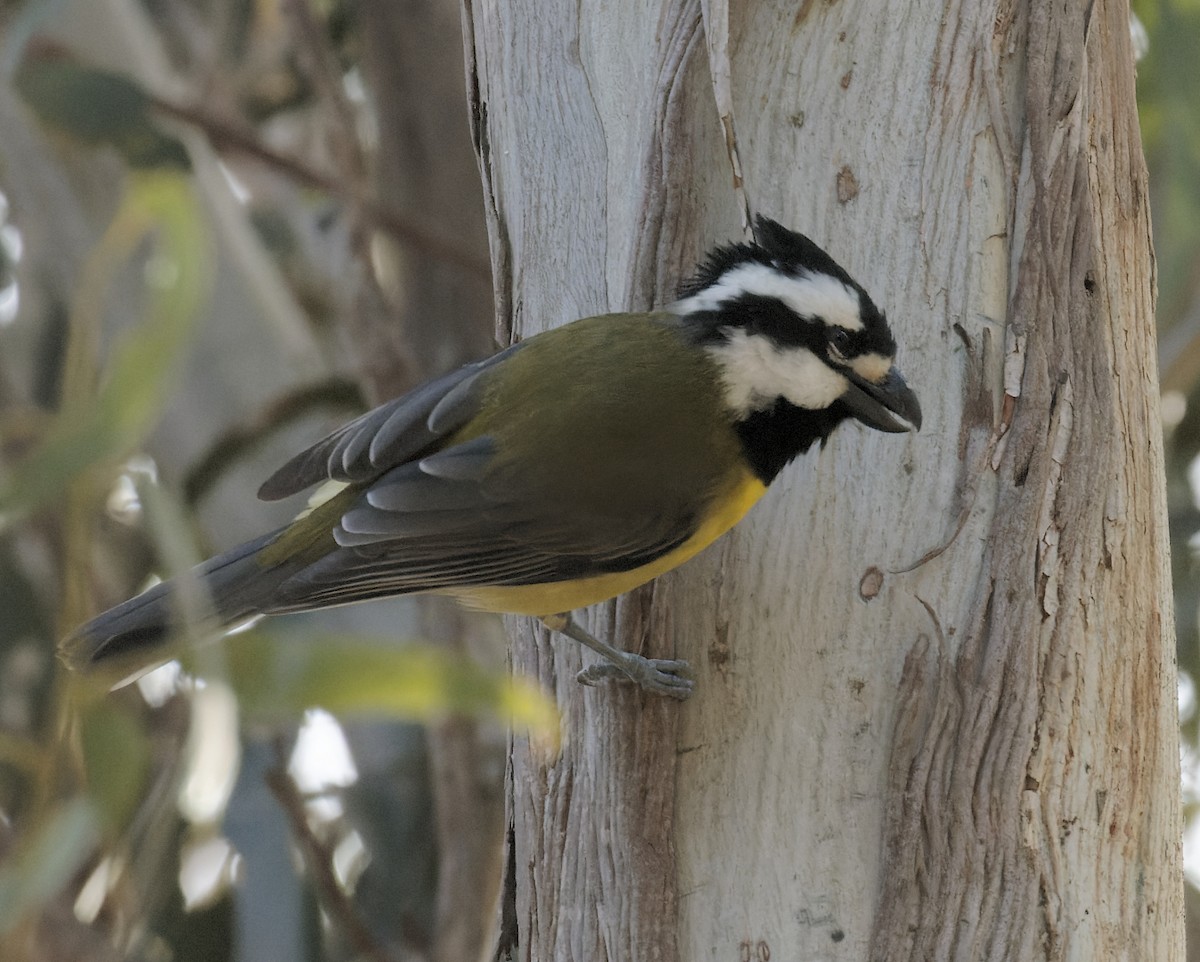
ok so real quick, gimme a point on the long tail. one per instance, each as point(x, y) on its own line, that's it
point(236, 584)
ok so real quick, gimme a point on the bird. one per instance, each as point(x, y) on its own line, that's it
point(567, 469)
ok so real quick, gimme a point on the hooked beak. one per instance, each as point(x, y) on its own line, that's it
point(874, 404)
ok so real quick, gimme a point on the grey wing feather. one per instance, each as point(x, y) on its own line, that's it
point(343, 454)
point(365, 525)
point(444, 406)
point(348, 575)
point(408, 488)
point(414, 530)
point(387, 435)
point(397, 552)
point(463, 462)
point(457, 405)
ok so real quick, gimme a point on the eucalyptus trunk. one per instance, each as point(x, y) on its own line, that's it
point(935, 714)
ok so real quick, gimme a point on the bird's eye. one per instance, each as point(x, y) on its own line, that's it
point(839, 342)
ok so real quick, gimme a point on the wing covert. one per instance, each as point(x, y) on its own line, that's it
point(388, 435)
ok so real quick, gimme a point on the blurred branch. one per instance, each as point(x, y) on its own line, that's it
point(470, 826)
point(227, 136)
point(467, 766)
point(325, 74)
point(389, 361)
point(318, 857)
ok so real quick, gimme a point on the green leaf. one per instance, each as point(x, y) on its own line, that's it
point(99, 107)
point(93, 429)
point(278, 678)
point(47, 860)
point(116, 756)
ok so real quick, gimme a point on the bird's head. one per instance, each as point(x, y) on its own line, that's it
point(789, 328)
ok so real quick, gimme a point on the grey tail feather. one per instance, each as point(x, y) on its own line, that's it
point(237, 586)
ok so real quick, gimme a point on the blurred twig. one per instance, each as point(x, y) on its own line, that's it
point(325, 74)
point(318, 857)
point(227, 136)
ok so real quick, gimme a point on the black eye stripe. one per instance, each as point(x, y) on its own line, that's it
point(773, 319)
point(766, 316)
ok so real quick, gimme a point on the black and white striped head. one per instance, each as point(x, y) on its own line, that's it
point(789, 327)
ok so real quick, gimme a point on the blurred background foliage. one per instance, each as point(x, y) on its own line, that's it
point(226, 226)
point(1168, 77)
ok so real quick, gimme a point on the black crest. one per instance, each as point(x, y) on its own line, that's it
point(774, 246)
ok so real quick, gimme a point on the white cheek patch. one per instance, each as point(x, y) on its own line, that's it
point(757, 371)
point(809, 295)
point(872, 367)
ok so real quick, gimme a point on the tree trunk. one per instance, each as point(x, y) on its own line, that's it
point(935, 715)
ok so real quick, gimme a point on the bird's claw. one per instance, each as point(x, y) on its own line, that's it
point(661, 676)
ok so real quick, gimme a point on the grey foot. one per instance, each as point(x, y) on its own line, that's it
point(657, 675)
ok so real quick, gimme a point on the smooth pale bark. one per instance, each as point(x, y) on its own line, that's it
point(935, 715)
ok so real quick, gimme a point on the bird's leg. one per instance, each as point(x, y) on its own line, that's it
point(657, 675)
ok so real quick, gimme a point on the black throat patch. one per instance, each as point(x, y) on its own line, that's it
point(773, 437)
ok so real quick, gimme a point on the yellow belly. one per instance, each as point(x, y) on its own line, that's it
point(559, 596)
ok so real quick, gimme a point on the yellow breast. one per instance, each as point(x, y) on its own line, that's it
point(554, 597)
